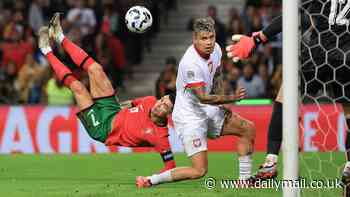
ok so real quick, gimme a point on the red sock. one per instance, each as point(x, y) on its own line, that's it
point(62, 72)
point(78, 55)
point(69, 79)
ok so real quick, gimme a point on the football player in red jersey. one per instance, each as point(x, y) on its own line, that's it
point(139, 123)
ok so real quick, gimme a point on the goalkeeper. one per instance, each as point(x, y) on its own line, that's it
point(244, 47)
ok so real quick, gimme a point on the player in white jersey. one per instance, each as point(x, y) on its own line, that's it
point(200, 111)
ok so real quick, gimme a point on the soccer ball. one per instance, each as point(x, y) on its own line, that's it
point(138, 19)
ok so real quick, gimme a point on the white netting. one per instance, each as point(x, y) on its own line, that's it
point(325, 81)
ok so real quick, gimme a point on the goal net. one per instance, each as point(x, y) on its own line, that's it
point(325, 85)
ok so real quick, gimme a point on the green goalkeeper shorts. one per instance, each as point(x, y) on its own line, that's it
point(97, 119)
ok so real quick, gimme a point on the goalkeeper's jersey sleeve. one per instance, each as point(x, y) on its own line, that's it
point(274, 28)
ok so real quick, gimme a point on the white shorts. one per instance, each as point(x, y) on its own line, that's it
point(194, 134)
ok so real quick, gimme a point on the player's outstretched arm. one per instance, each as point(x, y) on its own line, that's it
point(168, 159)
point(218, 82)
point(162, 145)
point(244, 46)
point(214, 99)
point(196, 85)
point(274, 28)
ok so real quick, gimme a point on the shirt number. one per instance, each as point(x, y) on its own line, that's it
point(93, 118)
point(337, 15)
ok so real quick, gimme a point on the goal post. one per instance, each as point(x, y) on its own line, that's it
point(290, 45)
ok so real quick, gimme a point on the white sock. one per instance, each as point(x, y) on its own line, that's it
point(245, 167)
point(60, 38)
point(161, 178)
point(46, 50)
point(271, 158)
point(347, 166)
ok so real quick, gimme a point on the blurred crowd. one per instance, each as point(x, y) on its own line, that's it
point(95, 25)
point(261, 75)
point(98, 27)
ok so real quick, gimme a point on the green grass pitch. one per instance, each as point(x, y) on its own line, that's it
point(103, 175)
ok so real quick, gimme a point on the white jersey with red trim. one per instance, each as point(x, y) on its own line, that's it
point(194, 71)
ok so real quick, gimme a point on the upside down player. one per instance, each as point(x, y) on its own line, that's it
point(142, 123)
point(197, 115)
point(312, 24)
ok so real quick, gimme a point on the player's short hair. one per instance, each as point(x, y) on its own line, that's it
point(204, 24)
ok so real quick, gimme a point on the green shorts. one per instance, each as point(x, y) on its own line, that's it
point(97, 119)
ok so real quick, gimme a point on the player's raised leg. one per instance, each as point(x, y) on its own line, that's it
point(100, 86)
point(63, 73)
point(95, 114)
point(245, 130)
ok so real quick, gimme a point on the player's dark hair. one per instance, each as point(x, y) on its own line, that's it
point(204, 24)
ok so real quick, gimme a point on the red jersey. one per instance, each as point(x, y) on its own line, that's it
point(133, 127)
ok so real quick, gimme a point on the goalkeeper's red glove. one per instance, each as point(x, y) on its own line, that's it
point(244, 46)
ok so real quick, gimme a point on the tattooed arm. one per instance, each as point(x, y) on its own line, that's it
point(216, 96)
point(194, 80)
point(215, 99)
point(218, 82)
